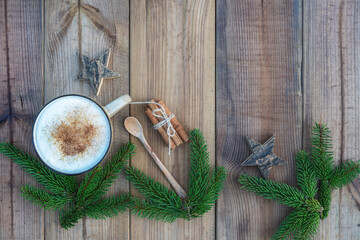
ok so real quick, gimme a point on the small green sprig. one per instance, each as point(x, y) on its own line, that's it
point(315, 174)
point(74, 199)
point(58, 184)
point(162, 203)
point(329, 177)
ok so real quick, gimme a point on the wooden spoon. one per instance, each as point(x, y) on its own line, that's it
point(134, 127)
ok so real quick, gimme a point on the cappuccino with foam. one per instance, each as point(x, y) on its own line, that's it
point(72, 134)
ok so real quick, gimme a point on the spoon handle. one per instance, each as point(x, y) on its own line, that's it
point(178, 189)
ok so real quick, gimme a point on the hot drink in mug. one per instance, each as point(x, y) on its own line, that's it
point(72, 133)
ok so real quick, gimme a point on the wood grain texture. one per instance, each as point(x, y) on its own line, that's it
point(6, 194)
point(172, 58)
point(331, 87)
point(112, 17)
point(88, 27)
point(61, 66)
point(21, 98)
point(258, 93)
point(349, 204)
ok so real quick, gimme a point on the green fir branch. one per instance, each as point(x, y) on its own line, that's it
point(321, 153)
point(56, 183)
point(305, 174)
point(162, 203)
point(309, 226)
point(97, 182)
point(74, 201)
point(70, 216)
point(109, 207)
point(211, 195)
point(150, 210)
point(153, 191)
point(289, 225)
point(344, 174)
point(303, 222)
point(279, 192)
point(44, 199)
point(325, 197)
point(199, 173)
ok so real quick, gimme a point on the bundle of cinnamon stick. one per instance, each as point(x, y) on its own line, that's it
point(180, 134)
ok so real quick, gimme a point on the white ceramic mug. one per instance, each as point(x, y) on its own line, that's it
point(72, 133)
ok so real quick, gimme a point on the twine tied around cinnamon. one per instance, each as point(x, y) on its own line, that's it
point(161, 114)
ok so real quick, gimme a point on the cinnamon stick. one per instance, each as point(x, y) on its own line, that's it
point(176, 124)
point(161, 130)
point(176, 138)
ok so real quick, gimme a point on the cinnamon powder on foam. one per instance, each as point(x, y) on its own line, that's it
point(75, 134)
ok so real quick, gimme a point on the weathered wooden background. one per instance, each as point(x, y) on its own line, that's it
point(229, 67)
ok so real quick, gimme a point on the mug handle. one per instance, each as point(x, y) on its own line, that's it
point(115, 106)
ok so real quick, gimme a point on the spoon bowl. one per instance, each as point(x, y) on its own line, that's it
point(133, 126)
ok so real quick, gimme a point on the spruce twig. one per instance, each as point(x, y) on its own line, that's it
point(98, 180)
point(323, 161)
point(344, 173)
point(315, 173)
point(75, 200)
point(70, 216)
point(44, 199)
point(162, 203)
point(279, 192)
point(109, 207)
point(305, 174)
point(289, 225)
point(56, 183)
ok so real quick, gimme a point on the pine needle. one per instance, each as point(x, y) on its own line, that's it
point(150, 210)
point(321, 153)
point(279, 192)
point(305, 174)
point(162, 203)
point(63, 192)
point(289, 225)
point(155, 192)
point(344, 174)
point(56, 183)
point(211, 194)
point(325, 197)
point(70, 216)
point(97, 182)
point(199, 174)
point(303, 222)
point(109, 207)
point(44, 199)
point(309, 226)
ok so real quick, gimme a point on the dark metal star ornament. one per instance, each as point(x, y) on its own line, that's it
point(263, 156)
point(96, 70)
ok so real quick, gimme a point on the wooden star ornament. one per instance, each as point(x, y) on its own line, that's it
point(263, 156)
point(96, 70)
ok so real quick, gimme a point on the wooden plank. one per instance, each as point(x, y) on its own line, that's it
point(6, 195)
point(172, 58)
point(331, 84)
point(349, 204)
point(21, 88)
point(113, 19)
point(61, 66)
point(258, 94)
point(62, 46)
